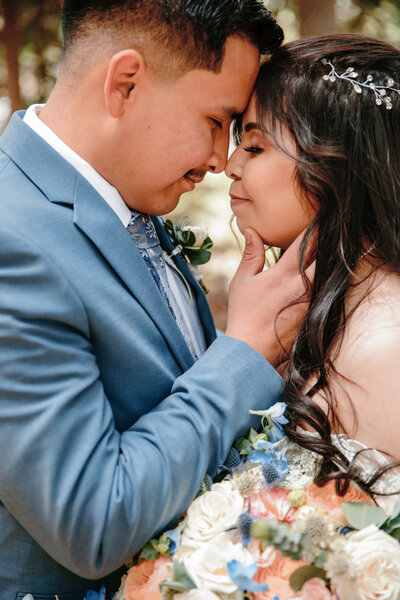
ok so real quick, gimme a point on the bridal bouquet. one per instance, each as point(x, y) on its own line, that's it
point(265, 531)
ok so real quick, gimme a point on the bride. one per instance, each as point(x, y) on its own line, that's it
point(319, 149)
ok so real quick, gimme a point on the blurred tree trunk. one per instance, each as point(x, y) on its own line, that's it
point(317, 17)
point(11, 40)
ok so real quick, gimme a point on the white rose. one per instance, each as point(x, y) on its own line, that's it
point(207, 566)
point(200, 233)
point(373, 559)
point(204, 594)
point(210, 514)
point(197, 595)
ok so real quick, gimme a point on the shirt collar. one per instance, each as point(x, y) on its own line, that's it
point(105, 189)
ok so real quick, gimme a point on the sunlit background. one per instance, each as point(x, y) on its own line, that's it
point(30, 50)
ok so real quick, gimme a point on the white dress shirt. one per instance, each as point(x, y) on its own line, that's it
point(179, 286)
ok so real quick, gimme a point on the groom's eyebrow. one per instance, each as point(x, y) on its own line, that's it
point(230, 113)
point(251, 127)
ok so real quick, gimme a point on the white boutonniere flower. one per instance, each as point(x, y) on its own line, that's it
point(192, 243)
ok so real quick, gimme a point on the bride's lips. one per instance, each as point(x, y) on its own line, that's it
point(237, 200)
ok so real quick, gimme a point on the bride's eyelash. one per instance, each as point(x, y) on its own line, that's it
point(253, 149)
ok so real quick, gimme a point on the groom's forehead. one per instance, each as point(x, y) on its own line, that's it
point(229, 90)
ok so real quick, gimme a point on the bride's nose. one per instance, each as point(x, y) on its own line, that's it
point(233, 168)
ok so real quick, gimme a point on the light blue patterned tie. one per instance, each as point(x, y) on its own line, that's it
point(143, 233)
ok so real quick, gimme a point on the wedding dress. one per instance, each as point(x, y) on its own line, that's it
point(304, 465)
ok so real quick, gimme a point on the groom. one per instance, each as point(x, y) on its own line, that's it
point(116, 396)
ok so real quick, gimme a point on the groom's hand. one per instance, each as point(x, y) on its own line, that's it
point(258, 311)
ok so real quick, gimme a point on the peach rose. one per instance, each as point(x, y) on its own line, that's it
point(143, 580)
point(326, 498)
point(275, 570)
point(272, 503)
point(313, 589)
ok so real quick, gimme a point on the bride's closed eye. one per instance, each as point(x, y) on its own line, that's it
point(253, 149)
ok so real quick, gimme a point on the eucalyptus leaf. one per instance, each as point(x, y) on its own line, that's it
point(396, 511)
point(182, 576)
point(253, 435)
point(391, 524)
point(149, 552)
point(191, 238)
point(361, 514)
point(299, 577)
point(207, 244)
point(395, 533)
point(199, 257)
point(243, 446)
point(176, 586)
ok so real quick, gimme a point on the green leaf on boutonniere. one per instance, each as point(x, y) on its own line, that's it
point(207, 244)
point(361, 514)
point(199, 257)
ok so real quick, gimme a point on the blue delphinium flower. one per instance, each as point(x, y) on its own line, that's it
point(265, 452)
point(92, 595)
point(243, 577)
point(275, 418)
point(175, 536)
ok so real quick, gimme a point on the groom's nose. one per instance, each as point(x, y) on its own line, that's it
point(219, 156)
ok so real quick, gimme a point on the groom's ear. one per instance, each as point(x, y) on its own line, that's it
point(124, 72)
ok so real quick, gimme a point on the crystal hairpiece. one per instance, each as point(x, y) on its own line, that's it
point(350, 75)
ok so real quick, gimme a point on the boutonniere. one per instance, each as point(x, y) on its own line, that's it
point(192, 243)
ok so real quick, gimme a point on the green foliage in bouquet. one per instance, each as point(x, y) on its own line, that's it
point(392, 524)
point(361, 514)
point(180, 580)
point(245, 444)
point(155, 547)
point(299, 577)
point(293, 544)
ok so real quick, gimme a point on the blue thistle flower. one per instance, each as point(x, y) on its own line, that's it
point(244, 524)
point(205, 485)
point(275, 468)
point(233, 459)
point(270, 474)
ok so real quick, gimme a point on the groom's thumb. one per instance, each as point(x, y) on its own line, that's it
point(253, 260)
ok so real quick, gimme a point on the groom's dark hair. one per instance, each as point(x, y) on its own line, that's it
point(193, 31)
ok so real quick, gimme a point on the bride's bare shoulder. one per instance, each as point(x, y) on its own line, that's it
point(368, 364)
point(373, 316)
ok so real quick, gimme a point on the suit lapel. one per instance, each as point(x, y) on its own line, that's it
point(61, 183)
point(110, 237)
point(202, 304)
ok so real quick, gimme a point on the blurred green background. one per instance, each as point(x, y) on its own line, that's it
point(30, 50)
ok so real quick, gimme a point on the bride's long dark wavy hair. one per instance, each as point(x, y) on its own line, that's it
point(348, 164)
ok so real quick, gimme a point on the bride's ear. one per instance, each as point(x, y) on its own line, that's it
point(124, 72)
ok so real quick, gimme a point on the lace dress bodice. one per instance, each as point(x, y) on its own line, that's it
point(304, 467)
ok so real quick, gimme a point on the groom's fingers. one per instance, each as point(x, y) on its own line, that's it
point(253, 259)
point(267, 308)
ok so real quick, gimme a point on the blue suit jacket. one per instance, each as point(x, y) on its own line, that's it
point(106, 426)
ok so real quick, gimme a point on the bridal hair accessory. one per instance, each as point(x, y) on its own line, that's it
point(380, 91)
